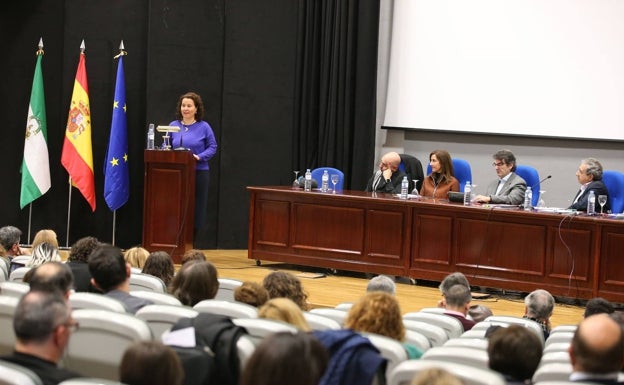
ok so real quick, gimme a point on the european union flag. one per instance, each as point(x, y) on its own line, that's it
point(116, 178)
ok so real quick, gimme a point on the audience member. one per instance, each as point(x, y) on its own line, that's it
point(380, 313)
point(78, 262)
point(284, 284)
point(42, 325)
point(42, 253)
point(284, 310)
point(388, 178)
point(382, 283)
point(479, 313)
point(597, 350)
point(45, 236)
point(10, 241)
point(457, 301)
point(150, 363)
point(52, 276)
point(111, 274)
point(515, 352)
point(193, 255)
point(449, 281)
point(435, 376)
point(441, 180)
point(539, 306)
point(195, 282)
point(136, 256)
point(509, 187)
point(589, 175)
point(251, 293)
point(598, 305)
point(159, 264)
point(284, 359)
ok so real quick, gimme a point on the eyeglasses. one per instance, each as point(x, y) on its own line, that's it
point(498, 164)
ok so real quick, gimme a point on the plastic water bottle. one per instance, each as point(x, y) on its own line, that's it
point(467, 193)
point(404, 187)
point(325, 182)
point(528, 199)
point(591, 203)
point(307, 186)
point(150, 137)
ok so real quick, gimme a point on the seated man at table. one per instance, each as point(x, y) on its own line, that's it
point(388, 178)
point(589, 175)
point(509, 188)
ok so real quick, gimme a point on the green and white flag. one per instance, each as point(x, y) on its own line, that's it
point(36, 164)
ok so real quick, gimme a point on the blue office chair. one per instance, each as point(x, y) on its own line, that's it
point(461, 172)
point(532, 179)
point(317, 175)
point(614, 180)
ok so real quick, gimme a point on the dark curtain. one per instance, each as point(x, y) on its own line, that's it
point(334, 119)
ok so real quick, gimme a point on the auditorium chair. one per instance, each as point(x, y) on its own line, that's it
point(13, 374)
point(147, 282)
point(226, 289)
point(90, 381)
point(614, 181)
point(557, 347)
point(527, 323)
point(161, 318)
point(337, 315)
point(259, 328)
point(435, 334)
point(420, 341)
point(553, 372)
point(7, 310)
point(458, 354)
point(317, 174)
point(4, 270)
point(319, 322)
point(532, 179)
point(390, 349)
point(473, 343)
point(18, 274)
point(559, 337)
point(452, 326)
point(157, 298)
point(83, 300)
point(14, 289)
point(562, 357)
point(469, 375)
point(227, 308)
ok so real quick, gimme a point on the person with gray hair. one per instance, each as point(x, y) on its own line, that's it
point(589, 175)
point(43, 325)
point(388, 178)
point(449, 281)
point(539, 306)
point(509, 187)
point(51, 276)
point(457, 300)
point(10, 240)
point(381, 283)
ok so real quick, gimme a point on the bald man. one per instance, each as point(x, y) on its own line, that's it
point(597, 350)
point(388, 178)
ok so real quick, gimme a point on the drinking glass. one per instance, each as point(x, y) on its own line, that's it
point(415, 190)
point(541, 202)
point(334, 179)
point(296, 182)
point(602, 200)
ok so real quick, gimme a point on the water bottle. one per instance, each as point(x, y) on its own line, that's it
point(591, 203)
point(404, 187)
point(325, 182)
point(467, 195)
point(528, 199)
point(150, 137)
point(307, 186)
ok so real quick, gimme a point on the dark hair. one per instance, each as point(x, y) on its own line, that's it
point(160, 264)
point(506, 157)
point(150, 363)
point(284, 358)
point(193, 255)
point(82, 248)
point(284, 284)
point(195, 282)
point(251, 293)
point(199, 114)
point(514, 351)
point(446, 164)
point(52, 276)
point(108, 267)
point(38, 313)
point(598, 305)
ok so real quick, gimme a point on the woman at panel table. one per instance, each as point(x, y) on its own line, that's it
point(441, 180)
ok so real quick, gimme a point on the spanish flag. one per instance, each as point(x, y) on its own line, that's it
point(77, 155)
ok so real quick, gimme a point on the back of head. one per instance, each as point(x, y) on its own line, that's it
point(598, 305)
point(379, 313)
point(195, 282)
point(435, 376)
point(458, 296)
point(284, 310)
point(108, 267)
point(9, 235)
point(52, 276)
point(284, 284)
point(597, 346)
point(479, 312)
point(150, 363)
point(47, 236)
point(38, 314)
point(284, 358)
point(515, 352)
point(381, 283)
point(251, 293)
point(82, 249)
point(193, 255)
point(539, 304)
point(136, 256)
point(42, 253)
point(160, 264)
point(453, 279)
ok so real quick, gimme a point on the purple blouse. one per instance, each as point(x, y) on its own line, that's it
point(199, 138)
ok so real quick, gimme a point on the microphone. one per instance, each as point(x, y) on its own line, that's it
point(540, 182)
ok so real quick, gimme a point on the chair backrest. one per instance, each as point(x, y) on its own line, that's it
point(90, 381)
point(469, 375)
point(474, 333)
point(416, 339)
point(13, 374)
point(344, 306)
point(337, 315)
point(18, 274)
point(14, 289)
point(414, 170)
point(146, 282)
point(259, 328)
point(452, 326)
point(391, 350)
point(435, 334)
point(157, 298)
point(96, 348)
point(226, 308)
point(7, 310)
point(458, 354)
point(226, 289)
point(317, 174)
point(563, 328)
point(553, 372)
point(557, 347)
point(84, 300)
point(161, 318)
point(559, 337)
point(434, 310)
point(462, 171)
point(527, 323)
point(473, 343)
point(614, 181)
point(4, 269)
point(562, 357)
point(319, 322)
point(532, 179)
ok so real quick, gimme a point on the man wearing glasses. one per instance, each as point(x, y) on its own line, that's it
point(388, 178)
point(509, 188)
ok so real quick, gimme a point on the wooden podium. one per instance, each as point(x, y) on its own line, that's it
point(169, 202)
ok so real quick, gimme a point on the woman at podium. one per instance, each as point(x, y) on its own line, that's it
point(196, 136)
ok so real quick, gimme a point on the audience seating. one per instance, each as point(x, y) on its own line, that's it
point(245, 348)
point(4, 270)
point(335, 314)
point(552, 372)
point(14, 289)
point(161, 318)
point(555, 357)
point(474, 343)
point(391, 350)
point(452, 326)
point(157, 298)
point(559, 337)
point(416, 339)
point(226, 308)
point(469, 375)
point(565, 383)
point(458, 354)
point(226, 289)
point(259, 328)
point(83, 300)
point(532, 325)
point(96, 348)
point(90, 381)
point(557, 347)
point(532, 179)
point(319, 322)
point(7, 336)
point(434, 310)
point(563, 328)
point(146, 282)
point(435, 334)
point(12, 374)
point(344, 306)
point(317, 174)
point(474, 333)
point(614, 181)
point(18, 274)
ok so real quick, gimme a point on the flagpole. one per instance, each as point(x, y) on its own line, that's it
point(114, 222)
point(29, 220)
point(68, 212)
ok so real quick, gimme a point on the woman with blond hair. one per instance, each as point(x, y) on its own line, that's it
point(136, 257)
point(284, 310)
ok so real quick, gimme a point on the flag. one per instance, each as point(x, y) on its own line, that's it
point(77, 154)
point(116, 179)
point(36, 164)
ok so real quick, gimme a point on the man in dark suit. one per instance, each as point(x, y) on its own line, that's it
point(589, 175)
point(388, 178)
point(597, 350)
point(509, 188)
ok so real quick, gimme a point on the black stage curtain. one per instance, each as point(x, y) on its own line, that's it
point(334, 118)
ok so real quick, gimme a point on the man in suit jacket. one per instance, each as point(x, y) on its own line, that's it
point(388, 178)
point(589, 175)
point(509, 188)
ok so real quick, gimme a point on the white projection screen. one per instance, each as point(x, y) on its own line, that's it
point(522, 67)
